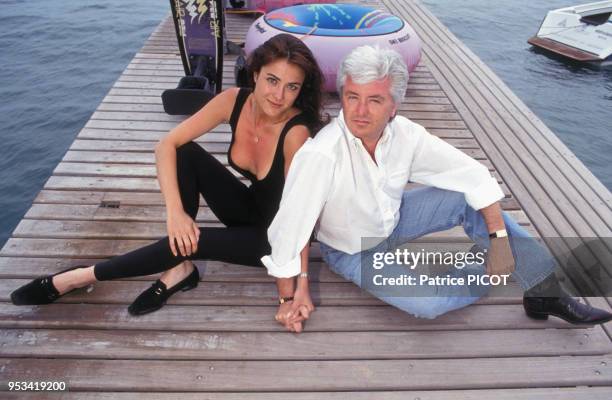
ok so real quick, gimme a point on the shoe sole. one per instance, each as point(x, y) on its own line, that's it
point(544, 316)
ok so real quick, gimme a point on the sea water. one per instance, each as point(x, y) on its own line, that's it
point(58, 60)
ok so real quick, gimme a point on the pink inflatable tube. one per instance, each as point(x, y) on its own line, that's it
point(331, 31)
point(269, 5)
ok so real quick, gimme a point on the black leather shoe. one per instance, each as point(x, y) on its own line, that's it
point(156, 296)
point(565, 308)
point(40, 290)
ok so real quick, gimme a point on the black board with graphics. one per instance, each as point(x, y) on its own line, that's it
point(199, 28)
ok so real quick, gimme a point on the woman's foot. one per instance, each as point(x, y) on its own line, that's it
point(65, 282)
point(184, 276)
point(176, 274)
point(43, 290)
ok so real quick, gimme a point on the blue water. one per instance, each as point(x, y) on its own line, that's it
point(574, 101)
point(58, 61)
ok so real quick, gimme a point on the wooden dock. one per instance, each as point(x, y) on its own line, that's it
point(220, 341)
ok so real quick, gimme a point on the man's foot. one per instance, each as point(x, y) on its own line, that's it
point(43, 290)
point(156, 296)
point(565, 308)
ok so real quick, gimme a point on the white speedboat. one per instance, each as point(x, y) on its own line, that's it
point(582, 33)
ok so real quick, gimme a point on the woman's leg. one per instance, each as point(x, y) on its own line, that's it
point(239, 245)
point(198, 172)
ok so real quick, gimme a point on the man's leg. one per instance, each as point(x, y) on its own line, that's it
point(429, 210)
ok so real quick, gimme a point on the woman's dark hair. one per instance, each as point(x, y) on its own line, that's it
point(290, 48)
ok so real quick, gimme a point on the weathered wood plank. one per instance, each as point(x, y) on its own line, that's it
point(320, 375)
point(565, 393)
point(261, 318)
point(79, 344)
point(50, 216)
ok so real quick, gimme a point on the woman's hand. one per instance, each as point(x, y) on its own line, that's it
point(183, 233)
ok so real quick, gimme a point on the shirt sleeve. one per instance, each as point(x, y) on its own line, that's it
point(437, 163)
point(306, 190)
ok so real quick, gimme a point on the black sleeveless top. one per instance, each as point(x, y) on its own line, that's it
point(266, 192)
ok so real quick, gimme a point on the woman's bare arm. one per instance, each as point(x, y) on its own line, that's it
point(180, 226)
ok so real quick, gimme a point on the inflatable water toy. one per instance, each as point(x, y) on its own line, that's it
point(265, 6)
point(331, 31)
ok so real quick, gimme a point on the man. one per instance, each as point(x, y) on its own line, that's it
point(350, 181)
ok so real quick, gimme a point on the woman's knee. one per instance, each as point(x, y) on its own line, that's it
point(188, 151)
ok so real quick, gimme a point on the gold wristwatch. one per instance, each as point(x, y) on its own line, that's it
point(282, 300)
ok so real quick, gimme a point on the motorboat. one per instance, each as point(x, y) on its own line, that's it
point(582, 32)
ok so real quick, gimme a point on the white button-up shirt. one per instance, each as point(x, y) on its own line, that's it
point(333, 180)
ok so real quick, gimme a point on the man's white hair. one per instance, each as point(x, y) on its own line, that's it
point(366, 64)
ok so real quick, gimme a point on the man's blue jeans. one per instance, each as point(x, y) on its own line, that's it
point(428, 210)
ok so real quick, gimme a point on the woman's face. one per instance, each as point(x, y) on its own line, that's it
point(277, 85)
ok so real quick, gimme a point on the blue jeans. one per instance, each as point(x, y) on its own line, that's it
point(428, 210)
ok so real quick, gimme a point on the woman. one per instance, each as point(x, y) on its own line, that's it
point(269, 124)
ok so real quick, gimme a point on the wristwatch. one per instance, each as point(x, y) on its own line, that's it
point(282, 300)
point(498, 234)
point(303, 275)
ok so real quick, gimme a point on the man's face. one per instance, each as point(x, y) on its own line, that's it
point(367, 107)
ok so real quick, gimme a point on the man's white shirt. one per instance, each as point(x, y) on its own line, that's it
point(333, 183)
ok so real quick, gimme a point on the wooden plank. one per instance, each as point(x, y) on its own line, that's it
point(216, 136)
point(137, 345)
point(118, 170)
point(567, 393)
point(260, 318)
point(59, 213)
point(137, 146)
point(320, 375)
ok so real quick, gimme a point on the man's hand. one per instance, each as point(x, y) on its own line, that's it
point(183, 233)
point(302, 302)
point(500, 260)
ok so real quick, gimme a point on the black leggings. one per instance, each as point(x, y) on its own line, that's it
point(242, 241)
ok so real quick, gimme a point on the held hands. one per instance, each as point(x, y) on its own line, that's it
point(292, 313)
point(183, 233)
point(500, 260)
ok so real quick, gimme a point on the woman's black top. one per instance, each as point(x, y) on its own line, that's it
point(266, 192)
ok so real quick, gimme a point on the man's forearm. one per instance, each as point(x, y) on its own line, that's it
point(493, 217)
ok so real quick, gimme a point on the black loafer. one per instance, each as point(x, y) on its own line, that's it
point(565, 308)
point(40, 290)
point(156, 296)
